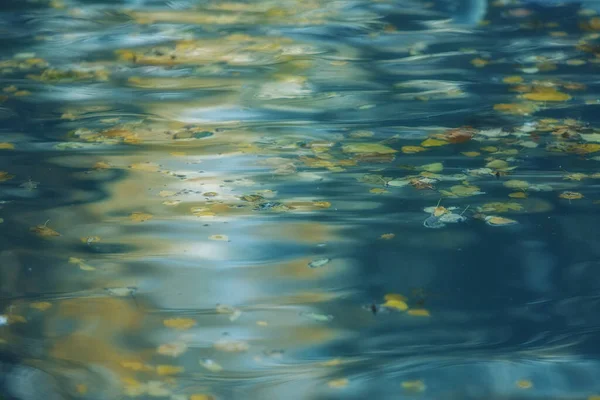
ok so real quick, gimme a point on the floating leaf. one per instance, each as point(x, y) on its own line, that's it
point(471, 153)
point(172, 349)
point(378, 191)
point(44, 231)
point(418, 312)
point(464, 191)
point(166, 193)
point(412, 149)
point(7, 146)
point(512, 79)
point(499, 221)
point(140, 217)
point(516, 184)
point(578, 176)
point(338, 383)
point(223, 238)
point(395, 301)
point(434, 142)
point(387, 236)
point(179, 323)
point(121, 291)
point(518, 195)
point(500, 207)
point(145, 166)
point(516, 108)
point(546, 94)
point(398, 183)
point(497, 164)
point(570, 195)
point(5, 176)
point(414, 386)
point(489, 149)
point(368, 148)
point(434, 167)
point(524, 384)
point(321, 204)
point(202, 397)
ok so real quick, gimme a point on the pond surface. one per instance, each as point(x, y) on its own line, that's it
point(212, 200)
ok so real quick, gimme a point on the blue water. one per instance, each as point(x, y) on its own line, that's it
point(391, 199)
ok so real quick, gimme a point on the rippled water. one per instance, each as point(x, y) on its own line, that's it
point(389, 199)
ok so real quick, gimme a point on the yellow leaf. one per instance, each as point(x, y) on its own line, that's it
point(413, 386)
point(90, 239)
point(497, 164)
point(231, 346)
point(499, 221)
point(412, 149)
point(168, 370)
point(135, 366)
point(418, 312)
point(387, 236)
point(166, 193)
point(262, 323)
point(172, 349)
point(322, 204)
point(434, 167)
point(44, 231)
point(524, 384)
point(6, 146)
point(585, 148)
point(140, 217)
point(434, 142)
point(575, 176)
point(338, 383)
point(570, 195)
point(516, 184)
point(516, 108)
point(464, 191)
point(594, 397)
point(479, 62)
point(500, 207)
point(101, 165)
point(179, 323)
point(513, 79)
point(546, 94)
point(41, 305)
point(378, 190)
point(518, 195)
point(223, 238)
point(394, 296)
point(368, 148)
point(5, 176)
point(471, 153)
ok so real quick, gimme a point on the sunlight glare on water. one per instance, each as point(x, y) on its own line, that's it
point(212, 200)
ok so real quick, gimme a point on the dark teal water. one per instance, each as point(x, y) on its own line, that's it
point(299, 200)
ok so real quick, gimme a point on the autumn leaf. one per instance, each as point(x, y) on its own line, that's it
point(499, 221)
point(434, 142)
point(223, 238)
point(44, 230)
point(395, 301)
point(412, 149)
point(546, 94)
point(500, 207)
point(7, 146)
point(570, 195)
point(516, 108)
point(387, 236)
point(413, 386)
point(172, 349)
point(5, 176)
point(140, 217)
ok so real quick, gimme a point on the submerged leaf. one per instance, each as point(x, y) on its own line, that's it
point(179, 323)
